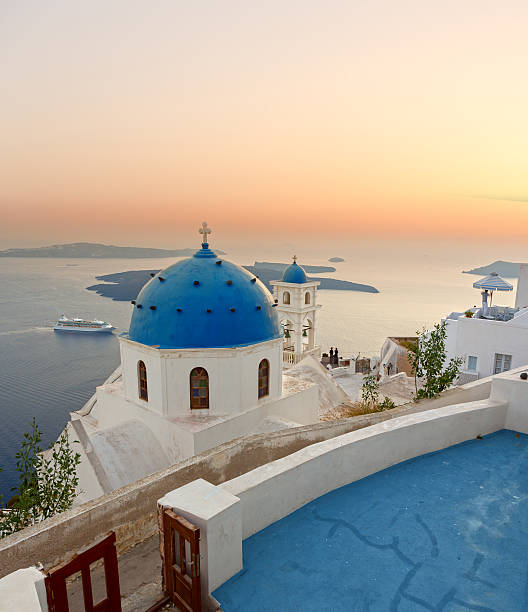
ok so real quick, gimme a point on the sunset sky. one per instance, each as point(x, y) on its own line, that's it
point(130, 122)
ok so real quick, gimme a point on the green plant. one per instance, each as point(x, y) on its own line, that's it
point(58, 478)
point(47, 482)
point(428, 362)
point(370, 391)
point(386, 404)
point(469, 314)
point(352, 409)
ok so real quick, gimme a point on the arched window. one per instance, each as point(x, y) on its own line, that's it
point(263, 378)
point(199, 380)
point(286, 297)
point(307, 297)
point(142, 381)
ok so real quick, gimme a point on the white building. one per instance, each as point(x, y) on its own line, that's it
point(200, 365)
point(490, 339)
point(296, 299)
point(394, 357)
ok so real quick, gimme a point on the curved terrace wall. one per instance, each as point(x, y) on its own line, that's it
point(132, 511)
point(272, 491)
point(235, 510)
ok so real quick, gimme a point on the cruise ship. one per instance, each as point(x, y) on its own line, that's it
point(80, 325)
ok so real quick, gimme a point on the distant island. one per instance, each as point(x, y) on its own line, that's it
point(97, 251)
point(336, 259)
point(122, 286)
point(125, 286)
point(508, 269)
point(280, 267)
point(266, 274)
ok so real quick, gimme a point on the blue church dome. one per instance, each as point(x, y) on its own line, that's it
point(294, 274)
point(203, 302)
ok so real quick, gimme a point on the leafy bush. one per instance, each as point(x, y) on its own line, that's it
point(386, 404)
point(428, 362)
point(47, 482)
point(370, 391)
point(369, 402)
point(370, 396)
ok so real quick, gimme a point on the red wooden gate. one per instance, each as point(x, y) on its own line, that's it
point(56, 578)
point(181, 561)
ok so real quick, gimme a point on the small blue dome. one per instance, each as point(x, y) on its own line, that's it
point(294, 274)
point(204, 302)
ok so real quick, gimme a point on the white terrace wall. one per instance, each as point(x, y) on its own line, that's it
point(292, 407)
point(511, 388)
point(132, 510)
point(272, 491)
point(23, 591)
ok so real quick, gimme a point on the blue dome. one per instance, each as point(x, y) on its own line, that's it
point(294, 274)
point(203, 302)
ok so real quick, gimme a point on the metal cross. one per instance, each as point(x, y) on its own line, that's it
point(295, 258)
point(204, 230)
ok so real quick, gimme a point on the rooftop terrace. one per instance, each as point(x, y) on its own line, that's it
point(494, 313)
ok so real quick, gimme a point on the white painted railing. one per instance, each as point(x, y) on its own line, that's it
point(291, 358)
point(288, 357)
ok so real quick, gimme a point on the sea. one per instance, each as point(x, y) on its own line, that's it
point(47, 375)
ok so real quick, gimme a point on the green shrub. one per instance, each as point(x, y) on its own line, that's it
point(47, 482)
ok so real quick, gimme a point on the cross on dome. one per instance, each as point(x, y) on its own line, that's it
point(295, 258)
point(204, 230)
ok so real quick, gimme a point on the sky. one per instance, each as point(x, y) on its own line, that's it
point(131, 122)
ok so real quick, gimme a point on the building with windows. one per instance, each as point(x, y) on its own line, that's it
point(201, 364)
point(490, 339)
point(296, 297)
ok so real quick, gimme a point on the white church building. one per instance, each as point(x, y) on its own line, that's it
point(201, 364)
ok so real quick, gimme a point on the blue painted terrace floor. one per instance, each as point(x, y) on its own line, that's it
point(446, 531)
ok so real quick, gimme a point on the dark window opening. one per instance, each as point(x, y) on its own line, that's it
point(142, 381)
point(199, 380)
point(263, 378)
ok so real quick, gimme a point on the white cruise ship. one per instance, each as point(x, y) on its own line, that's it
point(80, 325)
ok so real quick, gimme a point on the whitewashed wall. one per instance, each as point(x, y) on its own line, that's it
point(112, 409)
point(131, 354)
point(509, 387)
point(233, 376)
point(274, 490)
point(521, 295)
point(300, 407)
point(483, 338)
point(23, 591)
point(218, 515)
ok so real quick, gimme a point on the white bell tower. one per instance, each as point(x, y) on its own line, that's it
point(296, 299)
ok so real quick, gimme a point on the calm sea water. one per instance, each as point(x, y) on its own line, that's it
point(48, 375)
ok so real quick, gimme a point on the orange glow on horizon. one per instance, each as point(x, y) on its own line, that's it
point(380, 120)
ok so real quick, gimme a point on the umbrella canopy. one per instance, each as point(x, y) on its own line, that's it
point(493, 282)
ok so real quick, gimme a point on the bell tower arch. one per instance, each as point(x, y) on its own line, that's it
point(296, 299)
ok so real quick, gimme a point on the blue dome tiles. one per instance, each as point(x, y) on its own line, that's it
point(204, 302)
point(294, 274)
